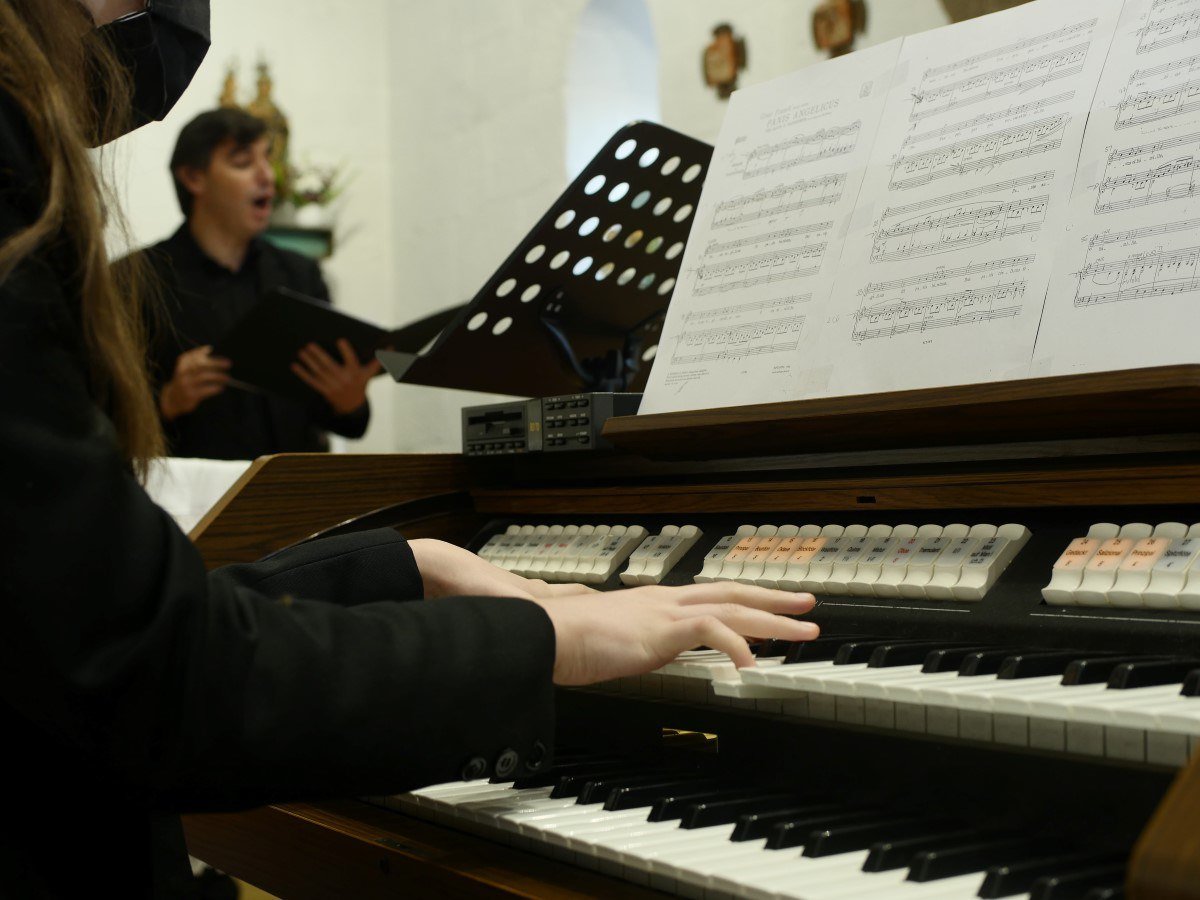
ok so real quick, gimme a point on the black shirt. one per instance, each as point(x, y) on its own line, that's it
point(202, 300)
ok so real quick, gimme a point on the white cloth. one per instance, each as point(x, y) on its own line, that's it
point(188, 488)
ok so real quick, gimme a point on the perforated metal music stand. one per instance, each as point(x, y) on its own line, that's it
point(579, 304)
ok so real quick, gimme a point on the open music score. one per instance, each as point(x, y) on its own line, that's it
point(719, 334)
point(1129, 264)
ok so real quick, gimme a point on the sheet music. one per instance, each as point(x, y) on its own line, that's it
point(944, 277)
point(1128, 272)
point(744, 325)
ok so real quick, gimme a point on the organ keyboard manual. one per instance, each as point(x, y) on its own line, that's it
point(884, 379)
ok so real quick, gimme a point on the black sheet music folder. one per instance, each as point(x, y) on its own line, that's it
point(264, 343)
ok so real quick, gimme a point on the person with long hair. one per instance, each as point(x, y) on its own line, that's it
point(133, 681)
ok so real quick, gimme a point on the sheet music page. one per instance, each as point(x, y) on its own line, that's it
point(744, 324)
point(944, 274)
point(1127, 282)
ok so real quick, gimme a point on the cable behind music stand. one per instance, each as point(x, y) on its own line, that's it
point(580, 302)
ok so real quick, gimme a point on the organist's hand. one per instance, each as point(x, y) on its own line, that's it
point(450, 571)
point(635, 631)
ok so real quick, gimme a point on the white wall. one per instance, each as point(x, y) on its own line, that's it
point(452, 115)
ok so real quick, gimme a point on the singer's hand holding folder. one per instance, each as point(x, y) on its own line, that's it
point(264, 343)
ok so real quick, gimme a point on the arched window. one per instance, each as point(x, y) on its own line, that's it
point(612, 76)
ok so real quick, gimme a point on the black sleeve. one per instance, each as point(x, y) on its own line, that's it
point(200, 693)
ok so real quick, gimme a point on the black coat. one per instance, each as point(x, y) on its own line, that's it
point(134, 682)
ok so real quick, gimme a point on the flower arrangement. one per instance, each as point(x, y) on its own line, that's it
point(308, 184)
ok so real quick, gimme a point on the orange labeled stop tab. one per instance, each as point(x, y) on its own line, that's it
point(808, 549)
point(763, 549)
point(1110, 554)
point(1077, 554)
point(785, 549)
point(742, 548)
point(1145, 553)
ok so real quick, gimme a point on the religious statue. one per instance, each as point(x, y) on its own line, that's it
point(723, 59)
point(228, 98)
point(277, 127)
point(835, 24)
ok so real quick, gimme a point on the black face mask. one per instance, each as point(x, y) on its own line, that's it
point(162, 47)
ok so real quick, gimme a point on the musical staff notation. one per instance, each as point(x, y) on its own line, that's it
point(958, 227)
point(717, 248)
point(1176, 65)
point(942, 275)
point(989, 118)
point(1067, 32)
point(983, 152)
point(763, 268)
point(1010, 79)
point(787, 198)
point(1144, 182)
point(781, 335)
point(966, 307)
point(801, 150)
point(1162, 103)
point(1166, 27)
point(1138, 274)
point(1120, 237)
point(1038, 181)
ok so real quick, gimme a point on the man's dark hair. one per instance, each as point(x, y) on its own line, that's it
point(201, 137)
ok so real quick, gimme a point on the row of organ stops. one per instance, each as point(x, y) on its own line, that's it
point(1132, 565)
point(674, 822)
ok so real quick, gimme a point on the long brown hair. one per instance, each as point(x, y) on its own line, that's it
point(50, 62)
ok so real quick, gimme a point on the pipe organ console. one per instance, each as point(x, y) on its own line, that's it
point(1004, 700)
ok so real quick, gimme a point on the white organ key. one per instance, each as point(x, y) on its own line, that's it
point(845, 566)
point(551, 569)
point(921, 564)
point(1172, 571)
point(529, 549)
point(797, 566)
point(820, 567)
point(616, 549)
point(776, 563)
point(637, 559)
point(568, 564)
point(715, 558)
point(756, 561)
point(1067, 573)
point(735, 559)
point(1133, 575)
point(989, 560)
point(870, 566)
point(947, 571)
point(667, 553)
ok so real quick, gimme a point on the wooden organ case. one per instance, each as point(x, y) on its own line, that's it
point(1056, 456)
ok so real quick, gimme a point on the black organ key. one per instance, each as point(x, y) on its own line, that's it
point(984, 662)
point(1148, 674)
point(633, 796)
point(1077, 885)
point(755, 825)
point(767, 649)
point(822, 649)
point(858, 652)
point(1019, 877)
point(569, 785)
point(560, 768)
point(900, 852)
point(903, 653)
point(852, 836)
point(597, 790)
point(1191, 684)
point(1037, 664)
point(949, 659)
point(721, 812)
point(674, 805)
point(1098, 669)
point(946, 862)
point(794, 832)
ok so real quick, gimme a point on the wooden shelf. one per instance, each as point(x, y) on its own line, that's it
point(1161, 400)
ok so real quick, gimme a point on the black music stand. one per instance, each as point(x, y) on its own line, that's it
point(579, 304)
